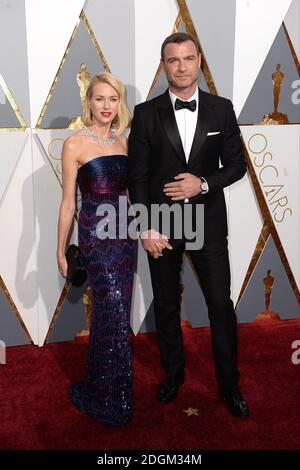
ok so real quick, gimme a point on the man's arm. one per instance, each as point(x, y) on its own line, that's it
point(189, 186)
point(231, 156)
point(139, 153)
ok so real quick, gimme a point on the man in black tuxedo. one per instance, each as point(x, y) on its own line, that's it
point(176, 142)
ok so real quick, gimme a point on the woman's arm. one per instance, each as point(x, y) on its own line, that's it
point(67, 207)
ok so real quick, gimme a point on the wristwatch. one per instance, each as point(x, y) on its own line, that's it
point(204, 186)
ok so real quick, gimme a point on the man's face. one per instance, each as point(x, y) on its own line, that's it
point(181, 64)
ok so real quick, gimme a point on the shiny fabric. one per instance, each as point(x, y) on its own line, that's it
point(190, 105)
point(105, 393)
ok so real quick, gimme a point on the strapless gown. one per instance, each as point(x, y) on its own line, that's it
point(105, 393)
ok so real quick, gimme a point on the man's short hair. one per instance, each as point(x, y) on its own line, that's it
point(178, 38)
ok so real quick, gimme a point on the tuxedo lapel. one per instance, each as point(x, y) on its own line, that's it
point(203, 125)
point(168, 120)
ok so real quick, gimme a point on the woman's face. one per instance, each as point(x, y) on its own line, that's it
point(104, 103)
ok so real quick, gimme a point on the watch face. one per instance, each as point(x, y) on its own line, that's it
point(204, 186)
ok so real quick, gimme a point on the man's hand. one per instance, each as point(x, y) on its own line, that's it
point(186, 186)
point(155, 242)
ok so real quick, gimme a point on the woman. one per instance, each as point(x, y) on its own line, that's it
point(96, 157)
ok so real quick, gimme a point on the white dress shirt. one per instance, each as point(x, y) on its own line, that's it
point(186, 122)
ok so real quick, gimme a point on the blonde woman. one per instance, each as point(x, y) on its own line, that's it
point(96, 157)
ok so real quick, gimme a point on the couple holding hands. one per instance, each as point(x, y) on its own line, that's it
point(172, 156)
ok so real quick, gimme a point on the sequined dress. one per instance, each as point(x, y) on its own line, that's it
point(105, 393)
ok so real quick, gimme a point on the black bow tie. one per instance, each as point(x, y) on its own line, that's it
point(191, 105)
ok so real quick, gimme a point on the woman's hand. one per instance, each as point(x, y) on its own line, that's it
point(155, 242)
point(62, 265)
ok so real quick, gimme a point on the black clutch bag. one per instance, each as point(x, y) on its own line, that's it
point(76, 273)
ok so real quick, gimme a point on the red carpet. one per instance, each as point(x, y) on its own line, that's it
point(35, 412)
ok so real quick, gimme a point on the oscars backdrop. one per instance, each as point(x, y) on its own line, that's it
point(49, 50)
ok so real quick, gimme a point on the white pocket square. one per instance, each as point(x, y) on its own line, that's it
point(213, 133)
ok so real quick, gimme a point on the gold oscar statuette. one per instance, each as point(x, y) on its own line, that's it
point(276, 117)
point(87, 301)
point(268, 314)
point(83, 79)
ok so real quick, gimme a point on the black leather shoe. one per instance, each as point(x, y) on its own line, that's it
point(235, 403)
point(168, 389)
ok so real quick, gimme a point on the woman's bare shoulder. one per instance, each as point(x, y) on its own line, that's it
point(124, 141)
point(74, 141)
point(123, 138)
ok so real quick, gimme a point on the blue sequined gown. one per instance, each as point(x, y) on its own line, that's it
point(105, 393)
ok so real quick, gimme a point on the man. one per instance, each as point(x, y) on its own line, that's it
point(175, 145)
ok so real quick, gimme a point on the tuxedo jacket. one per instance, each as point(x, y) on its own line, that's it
point(156, 156)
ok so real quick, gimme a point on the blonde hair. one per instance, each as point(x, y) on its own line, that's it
point(123, 117)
